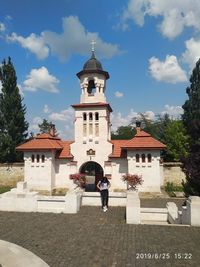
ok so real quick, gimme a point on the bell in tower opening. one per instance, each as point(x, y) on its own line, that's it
point(93, 81)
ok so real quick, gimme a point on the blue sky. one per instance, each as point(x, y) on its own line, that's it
point(149, 48)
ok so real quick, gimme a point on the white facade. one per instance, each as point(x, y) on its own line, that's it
point(92, 146)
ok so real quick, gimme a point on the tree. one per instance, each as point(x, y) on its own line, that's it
point(168, 131)
point(191, 121)
point(123, 133)
point(45, 126)
point(177, 141)
point(13, 126)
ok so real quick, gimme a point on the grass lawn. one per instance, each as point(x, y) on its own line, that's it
point(4, 189)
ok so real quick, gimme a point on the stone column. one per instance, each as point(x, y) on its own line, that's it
point(193, 207)
point(132, 208)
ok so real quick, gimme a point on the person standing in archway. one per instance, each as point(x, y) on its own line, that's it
point(103, 185)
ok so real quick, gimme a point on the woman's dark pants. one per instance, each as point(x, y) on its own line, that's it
point(104, 198)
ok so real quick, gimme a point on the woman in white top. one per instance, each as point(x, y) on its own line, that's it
point(103, 185)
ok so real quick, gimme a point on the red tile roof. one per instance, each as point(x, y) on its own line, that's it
point(46, 141)
point(65, 152)
point(141, 140)
point(117, 149)
point(90, 105)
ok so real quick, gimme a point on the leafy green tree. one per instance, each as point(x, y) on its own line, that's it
point(169, 131)
point(177, 141)
point(13, 126)
point(123, 133)
point(191, 121)
point(45, 126)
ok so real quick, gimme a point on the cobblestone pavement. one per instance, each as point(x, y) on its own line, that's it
point(161, 202)
point(92, 238)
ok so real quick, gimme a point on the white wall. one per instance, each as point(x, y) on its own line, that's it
point(63, 169)
point(38, 175)
point(119, 168)
point(100, 144)
point(151, 172)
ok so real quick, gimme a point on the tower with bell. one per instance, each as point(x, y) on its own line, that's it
point(92, 115)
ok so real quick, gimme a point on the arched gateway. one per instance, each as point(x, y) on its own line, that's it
point(93, 172)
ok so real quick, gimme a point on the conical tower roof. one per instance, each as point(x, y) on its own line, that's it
point(93, 65)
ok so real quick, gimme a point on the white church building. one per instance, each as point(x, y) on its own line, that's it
point(49, 160)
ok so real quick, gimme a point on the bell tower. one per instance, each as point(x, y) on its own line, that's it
point(92, 114)
point(93, 80)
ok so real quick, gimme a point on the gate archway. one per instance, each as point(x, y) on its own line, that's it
point(93, 172)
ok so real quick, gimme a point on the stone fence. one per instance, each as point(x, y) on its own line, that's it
point(172, 173)
point(10, 174)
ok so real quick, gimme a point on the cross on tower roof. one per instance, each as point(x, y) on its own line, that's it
point(93, 43)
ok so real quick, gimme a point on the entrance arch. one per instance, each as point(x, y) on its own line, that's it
point(93, 172)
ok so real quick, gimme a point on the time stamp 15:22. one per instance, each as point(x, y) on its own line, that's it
point(163, 256)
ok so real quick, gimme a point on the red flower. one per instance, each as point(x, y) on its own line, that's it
point(78, 178)
point(133, 180)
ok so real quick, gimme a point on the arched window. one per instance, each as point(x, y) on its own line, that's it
point(43, 158)
point(38, 158)
point(137, 156)
point(96, 116)
point(91, 86)
point(143, 158)
point(84, 116)
point(33, 158)
point(149, 158)
point(90, 116)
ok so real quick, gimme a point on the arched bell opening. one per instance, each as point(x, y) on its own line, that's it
point(91, 87)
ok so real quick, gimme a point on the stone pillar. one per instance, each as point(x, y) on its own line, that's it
point(73, 201)
point(193, 207)
point(132, 208)
point(172, 212)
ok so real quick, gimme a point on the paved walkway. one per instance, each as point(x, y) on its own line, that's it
point(95, 239)
point(12, 255)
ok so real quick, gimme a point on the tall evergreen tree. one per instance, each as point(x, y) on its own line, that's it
point(45, 126)
point(191, 120)
point(13, 126)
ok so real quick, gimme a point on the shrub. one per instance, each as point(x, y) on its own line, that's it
point(170, 187)
point(133, 180)
point(79, 179)
point(4, 189)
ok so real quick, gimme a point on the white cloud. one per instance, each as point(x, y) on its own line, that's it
point(64, 121)
point(34, 124)
point(64, 115)
point(192, 53)
point(118, 120)
point(176, 15)
point(46, 109)
point(33, 43)
point(119, 94)
point(149, 115)
point(168, 71)
point(2, 27)
point(75, 39)
point(40, 79)
point(173, 111)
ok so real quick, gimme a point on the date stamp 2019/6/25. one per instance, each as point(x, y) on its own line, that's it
point(163, 256)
